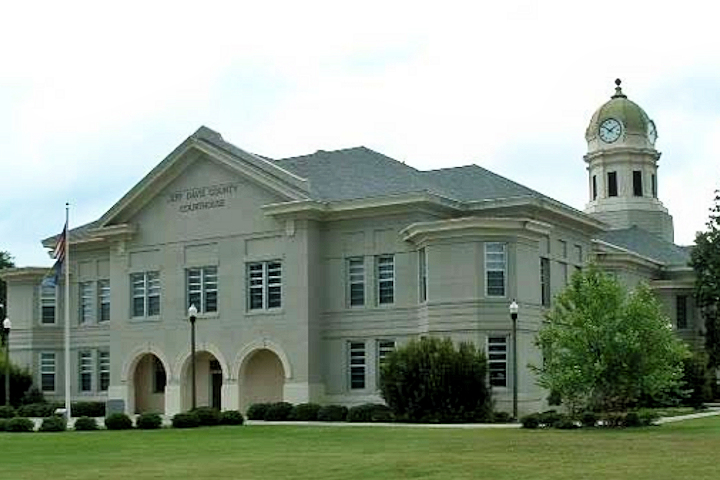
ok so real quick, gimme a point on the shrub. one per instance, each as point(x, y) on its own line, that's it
point(278, 411)
point(148, 421)
point(3, 424)
point(118, 421)
point(185, 420)
point(370, 412)
point(332, 413)
point(257, 411)
point(530, 421)
point(501, 417)
point(613, 419)
point(429, 380)
point(648, 417)
point(632, 419)
point(588, 419)
point(7, 412)
point(231, 417)
point(565, 423)
point(20, 424)
point(88, 409)
point(697, 379)
point(37, 410)
point(85, 424)
point(550, 417)
point(20, 382)
point(53, 424)
point(305, 412)
point(207, 416)
point(32, 395)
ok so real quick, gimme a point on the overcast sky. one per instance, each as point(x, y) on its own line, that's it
point(93, 96)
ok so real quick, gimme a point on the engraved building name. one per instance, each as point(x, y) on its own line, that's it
point(202, 198)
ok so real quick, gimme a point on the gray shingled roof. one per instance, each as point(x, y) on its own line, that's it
point(648, 245)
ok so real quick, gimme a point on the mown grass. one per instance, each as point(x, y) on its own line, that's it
point(683, 450)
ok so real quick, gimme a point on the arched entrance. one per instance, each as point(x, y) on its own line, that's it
point(149, 381)
point(262, 378)
point(208, 382)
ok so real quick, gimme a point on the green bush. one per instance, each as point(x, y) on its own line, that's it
point(613, 419)
point(3, 424)
point(305, 412)
point(53, 424)
point(257, 411)
point(632, 419)
point(40, 410)
point(88, 409)
point(431, 381)
point(278, 412)
point(589, 419)
point(20, 382)
point(648, 417)
point(148, 421)
point(118, 421)
point(231, 417)
point(530, 421)
point(332, 413)
point(370, 412)
point(697, 379)
point(86, 424)
point(7, 412)
point(20, 424)
point(32, 395)
point(550, 417)
point(185, 420)
point(207, 416)
point(565, 423)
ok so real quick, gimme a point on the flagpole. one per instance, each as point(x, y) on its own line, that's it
point(68, 412)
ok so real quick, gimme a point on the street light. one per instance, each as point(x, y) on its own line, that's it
point(192, 313)
point(7, 324)
point(514, 315)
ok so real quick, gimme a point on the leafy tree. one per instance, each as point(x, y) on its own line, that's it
point(604, 348)
point(6, 261)
point(429, 380)
point(705, 260)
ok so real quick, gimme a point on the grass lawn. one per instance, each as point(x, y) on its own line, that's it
point(683, 450)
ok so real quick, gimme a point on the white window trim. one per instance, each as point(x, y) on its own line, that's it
point(504, 270)
point(98, 291)
point(350, 365)
point(423, 274)
point(100, 370)
point(145, 296)
point(54, 372)
point(507, 359)
point(379, 356)
point(55, 306)
point(351, 282)
point(84, 308)
point(202, 307)
point(81, 371)
point(378, 281)
point(264, 287)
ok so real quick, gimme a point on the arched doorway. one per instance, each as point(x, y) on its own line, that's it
point(208, 382)
point(149, 381)
point(262, 379)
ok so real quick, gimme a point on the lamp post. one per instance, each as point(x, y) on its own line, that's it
point(7, 324)
point(192, 313)
point(514, 315)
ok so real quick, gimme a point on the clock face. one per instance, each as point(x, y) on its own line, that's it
point(610, 130)
point(651, 132)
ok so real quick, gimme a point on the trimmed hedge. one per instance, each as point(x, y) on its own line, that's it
point(148, 421)
point(86, 424)
point(332, 413)
point(207, 416)
point(88, 409)
point(305, 412)
point(370, 412)
point(53, 424)
point(185, 420)
point(231, 417)
point(40, 410)
point(530, 421)
point(278, 412)
point(3, 424)
point(19, 425)
point(7, 412)
point(118, 421)
point(257, 411)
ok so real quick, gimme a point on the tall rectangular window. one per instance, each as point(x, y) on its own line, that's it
point(86, 301)
point(681, 320)
point(545, 281)
point(264, 280)
point(495, 266)
point(103, 287)
point(422, 262)
point(86, 371)
point(612, 186)
point(497, 361)
point(357, 365)
point(653, 185)
point(47, 304)
point(594, 187)
point(103, 370)
point(47, 371)
point(202, 288)
point(356, 281)
point(384, 348)
point(385, 275)
point(637, 183)
point(145, 291)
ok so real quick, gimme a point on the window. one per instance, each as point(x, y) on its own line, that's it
point(422, 262)
point(202, 288)
point(497, 361)
point(386, 279)
point(357, 365)
point(264, 285)
point(681, 312)
point(356, 281)
point(103, 300)
point(562, 248)
point(612, 188)
point(86, 371)
point(578, 253)
point(637, 183)
point(545, 281)
point(594, 187)
point(384, 348)
point(495, 269)
point(145, 294)
point(103, 370)
point(47, 304)
point(47, 372)
point(159, 377)
point(86, 297)
point(653, 185)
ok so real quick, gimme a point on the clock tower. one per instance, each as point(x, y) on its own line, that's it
point(622, 168)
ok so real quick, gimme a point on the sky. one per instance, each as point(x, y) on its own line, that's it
point(94, 94)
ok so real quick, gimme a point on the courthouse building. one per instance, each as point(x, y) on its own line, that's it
point(307, 271)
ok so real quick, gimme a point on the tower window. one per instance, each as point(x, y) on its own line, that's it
point(594, 187)
point(654, 186)
point(612, 189)
point(637, 183)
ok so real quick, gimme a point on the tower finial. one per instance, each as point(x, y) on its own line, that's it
point(618, 91)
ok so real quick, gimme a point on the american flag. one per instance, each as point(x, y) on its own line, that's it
point(59, 252)
point(59, 255)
